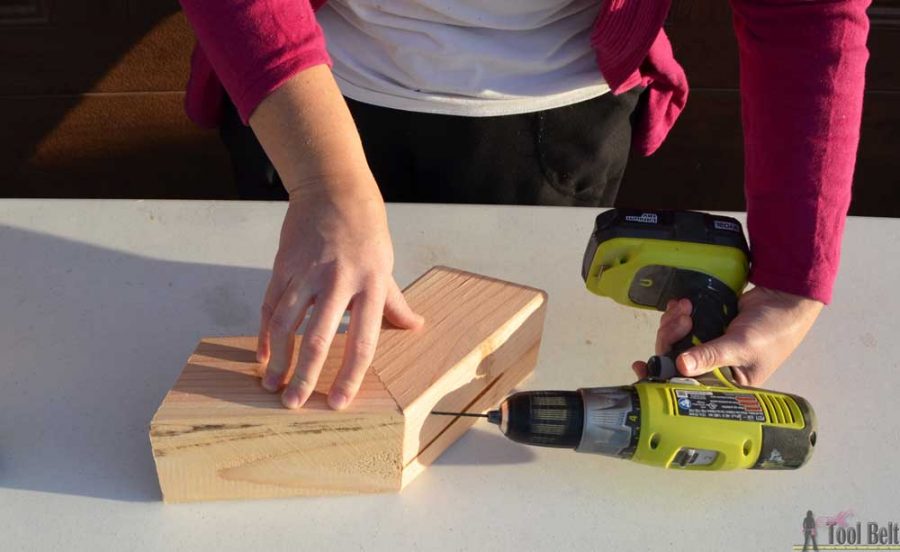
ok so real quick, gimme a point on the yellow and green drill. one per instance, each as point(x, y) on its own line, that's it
point(644, 259)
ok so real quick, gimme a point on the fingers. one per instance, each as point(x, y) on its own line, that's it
point(282, 328)
point(674, 324)
point(262, 339)
point(767, 329)
point(640, 369)
point(285, 307)
point(277, 335)
point(273, 293)
point(672, 332)
point(314, 348)
point(728, 350)
point(398, 312)
point(362, 338)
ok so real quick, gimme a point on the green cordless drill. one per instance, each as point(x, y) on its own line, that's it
point(644, 259)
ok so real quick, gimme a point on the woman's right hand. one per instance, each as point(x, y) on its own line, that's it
point(335, 249)
point(334, 254)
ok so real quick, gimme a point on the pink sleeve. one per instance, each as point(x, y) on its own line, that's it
point(802, 76)
point(254, 46)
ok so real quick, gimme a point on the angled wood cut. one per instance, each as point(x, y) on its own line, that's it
point(219, 435)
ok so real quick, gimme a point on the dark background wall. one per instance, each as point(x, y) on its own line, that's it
point(91, 106)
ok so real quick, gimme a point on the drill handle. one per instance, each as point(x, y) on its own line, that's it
point(712, 311)
point(714, 306)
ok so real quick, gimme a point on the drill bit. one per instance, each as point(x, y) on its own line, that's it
point(493, 416)
point(459, 414)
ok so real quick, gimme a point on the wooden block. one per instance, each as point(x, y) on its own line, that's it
point(219, 435)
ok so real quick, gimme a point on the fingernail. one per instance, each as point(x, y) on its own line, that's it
point(271, 382)
point(689, 362)
point(338, 401)
point(290, 399)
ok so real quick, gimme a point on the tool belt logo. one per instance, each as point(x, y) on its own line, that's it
point(840, 533)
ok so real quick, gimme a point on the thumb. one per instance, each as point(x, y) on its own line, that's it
point(724, 351)
point(398, 312)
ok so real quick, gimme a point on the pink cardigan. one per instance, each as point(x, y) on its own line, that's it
point(802, 73)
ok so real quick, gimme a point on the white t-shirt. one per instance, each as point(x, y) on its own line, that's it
point(464, 57)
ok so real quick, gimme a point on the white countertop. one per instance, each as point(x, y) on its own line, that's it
point(102, 301)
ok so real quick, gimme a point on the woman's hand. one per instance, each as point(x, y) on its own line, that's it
point(334, 254)
point(335, 250)
point(769, 326)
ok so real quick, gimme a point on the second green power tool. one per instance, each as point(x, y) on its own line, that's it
point(644, 259)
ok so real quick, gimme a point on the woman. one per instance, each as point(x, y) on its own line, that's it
point(514, 102)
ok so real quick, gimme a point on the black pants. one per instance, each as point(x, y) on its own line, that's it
point(572, 155)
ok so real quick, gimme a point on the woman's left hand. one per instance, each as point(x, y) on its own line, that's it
point(770, 324)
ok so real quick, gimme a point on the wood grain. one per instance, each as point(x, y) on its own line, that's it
point(218, 435)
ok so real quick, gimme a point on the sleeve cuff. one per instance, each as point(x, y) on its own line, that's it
point(253, 95)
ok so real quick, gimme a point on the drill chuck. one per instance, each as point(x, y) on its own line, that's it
point(542, 418)
point(603, 420)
